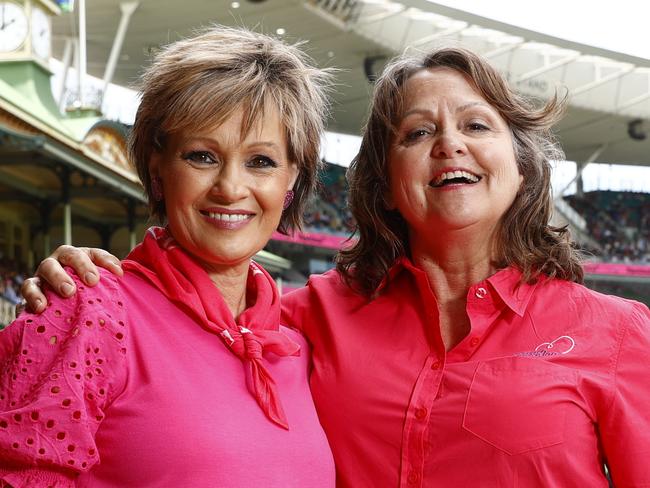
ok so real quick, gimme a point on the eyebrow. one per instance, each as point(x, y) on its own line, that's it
point(266, 143)
point(462, 108)
point(209, 140)
point(472, 104)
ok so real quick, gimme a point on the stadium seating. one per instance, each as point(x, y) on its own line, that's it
point(619, 221)
point(328, 212)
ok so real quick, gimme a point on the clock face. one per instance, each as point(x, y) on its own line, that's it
point(13, 26)
point(41, 33)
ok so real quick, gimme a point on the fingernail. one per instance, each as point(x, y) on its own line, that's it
point(67, 289)
point(90, 278)
point(38, 304)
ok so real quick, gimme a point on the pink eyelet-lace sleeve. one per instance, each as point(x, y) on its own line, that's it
point(59, 371)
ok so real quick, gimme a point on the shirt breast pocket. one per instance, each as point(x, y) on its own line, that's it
point(518, 404)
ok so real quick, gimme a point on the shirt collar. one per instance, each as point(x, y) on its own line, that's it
point(506, 282)
point(401, 263)
point(515, 294)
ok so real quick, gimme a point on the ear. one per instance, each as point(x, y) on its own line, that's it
point(293, 172)
point(155, 161)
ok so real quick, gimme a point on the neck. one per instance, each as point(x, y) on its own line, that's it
point(453, 262)
point(231, 283)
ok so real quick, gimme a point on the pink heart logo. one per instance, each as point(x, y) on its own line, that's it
point(561, 345)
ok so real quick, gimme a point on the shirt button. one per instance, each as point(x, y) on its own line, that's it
point(412, 478)
point(435, 365)
point(481, 292)
point(421, 413)
point(474, 342)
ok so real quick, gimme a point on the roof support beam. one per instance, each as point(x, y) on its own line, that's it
point(601, 81)
point(67, 59)
point(438, 35)
point(634, 100)
point(372, 19)
point(580, 167)
point(548, 67)
point(504, 49)
point(127, 9)
point(81, 52)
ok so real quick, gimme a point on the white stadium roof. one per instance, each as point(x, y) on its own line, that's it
point(609, 115)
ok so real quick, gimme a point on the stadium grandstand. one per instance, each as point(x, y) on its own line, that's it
point(65, 115)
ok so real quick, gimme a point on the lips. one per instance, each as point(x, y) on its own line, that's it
point(227, 216)
point(454, 177)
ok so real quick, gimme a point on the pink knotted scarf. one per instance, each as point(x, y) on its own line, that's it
point(160, 260)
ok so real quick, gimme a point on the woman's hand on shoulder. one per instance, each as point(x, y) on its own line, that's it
point(84, 261)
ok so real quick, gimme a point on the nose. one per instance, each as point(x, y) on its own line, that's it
point(448, 145)
point(230, 183)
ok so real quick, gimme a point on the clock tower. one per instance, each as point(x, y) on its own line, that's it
point(26, 30)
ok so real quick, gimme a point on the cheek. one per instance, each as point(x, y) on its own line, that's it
point(271, 197)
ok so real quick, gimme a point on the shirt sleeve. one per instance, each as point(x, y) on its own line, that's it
point(293, 306)
point(625, 429)
point(59, 371)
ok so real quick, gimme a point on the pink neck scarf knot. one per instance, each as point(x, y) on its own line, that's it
point(243, 343)
point(256, 331)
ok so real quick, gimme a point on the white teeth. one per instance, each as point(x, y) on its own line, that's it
point(456, 174)
point(228, 217)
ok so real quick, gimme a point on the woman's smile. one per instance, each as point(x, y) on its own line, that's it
point(228, 219)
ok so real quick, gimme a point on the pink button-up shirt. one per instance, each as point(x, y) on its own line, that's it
point(552, 382)
point(118, 387)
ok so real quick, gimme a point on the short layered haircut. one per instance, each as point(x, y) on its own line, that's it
point(199, 82)
point(525, 238)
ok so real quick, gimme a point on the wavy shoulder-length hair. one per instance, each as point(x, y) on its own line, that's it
point(525, 238)
point(199, 82)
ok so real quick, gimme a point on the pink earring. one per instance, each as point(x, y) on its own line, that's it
point(288, 198)
point(156, 188)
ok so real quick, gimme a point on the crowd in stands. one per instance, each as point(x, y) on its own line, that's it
point(328, 212)
point(619, 222)
point(11, 277)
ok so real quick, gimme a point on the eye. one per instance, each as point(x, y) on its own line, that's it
point(416, 134)
point(199, 157)
point(259, 161)
point(477, 127)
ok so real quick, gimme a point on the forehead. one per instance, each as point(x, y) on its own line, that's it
point(243, 124)
point(438, 85)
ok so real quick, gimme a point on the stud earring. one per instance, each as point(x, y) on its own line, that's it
point(156, 188)
point(288, 198)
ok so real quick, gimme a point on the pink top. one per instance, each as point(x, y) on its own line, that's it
point(117, 387)
point(552, 380)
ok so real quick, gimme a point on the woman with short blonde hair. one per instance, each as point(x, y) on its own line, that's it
point(179, 373)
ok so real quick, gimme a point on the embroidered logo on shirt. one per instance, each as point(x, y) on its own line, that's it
point(561, 345)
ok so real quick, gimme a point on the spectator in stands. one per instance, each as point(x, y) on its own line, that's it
point(146, 372)
point(9, 291)
point(329, 211)
point(618, 221)
point(455, 332)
